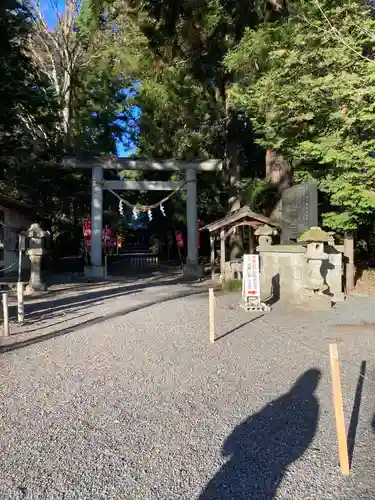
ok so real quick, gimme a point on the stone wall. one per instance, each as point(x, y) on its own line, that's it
point(283, 268)
point(13, 221)
point(233, 270)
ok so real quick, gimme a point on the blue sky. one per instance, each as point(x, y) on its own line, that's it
point(123, 148)
point(122, 151)
point(48, 9)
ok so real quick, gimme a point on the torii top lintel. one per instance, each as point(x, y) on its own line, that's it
point(129, 163)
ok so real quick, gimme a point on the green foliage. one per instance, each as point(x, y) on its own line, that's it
point(232, 285)
point(185, 113)
point(259, 195)
point(31, 107)
point(179, 120)
point(212, 79)
point(28, 108)
point(112, 61)
point(307, 83)
point(177, 116)
point(199, 34)
point(25, 100)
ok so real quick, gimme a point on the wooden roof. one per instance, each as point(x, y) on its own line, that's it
point(240, 215)
point(18, 206)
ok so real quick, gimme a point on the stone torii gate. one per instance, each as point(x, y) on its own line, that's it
point(99, 164)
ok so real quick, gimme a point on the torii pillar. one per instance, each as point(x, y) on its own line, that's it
point(192, 267)
point(97, 269)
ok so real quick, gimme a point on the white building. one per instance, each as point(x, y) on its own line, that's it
point(15, 216)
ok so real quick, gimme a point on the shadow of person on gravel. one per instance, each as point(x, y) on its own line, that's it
point(261, 448)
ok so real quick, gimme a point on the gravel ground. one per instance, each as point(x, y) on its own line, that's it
point(106, 396)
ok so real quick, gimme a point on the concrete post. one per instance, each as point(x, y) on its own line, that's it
point(192, 268)
point(349, 261)
point(97, 269)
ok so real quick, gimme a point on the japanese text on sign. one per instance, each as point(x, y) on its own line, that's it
point(250, 285)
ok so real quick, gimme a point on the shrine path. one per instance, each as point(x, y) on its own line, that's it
point(112, 391)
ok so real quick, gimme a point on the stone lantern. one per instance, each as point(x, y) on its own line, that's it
point(313, 295)
point(37, 241)
point(265, 234)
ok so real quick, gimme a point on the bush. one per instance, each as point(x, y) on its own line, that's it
point(232, 285)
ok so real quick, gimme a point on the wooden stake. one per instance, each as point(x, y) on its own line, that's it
point(5, 314)
point(212, 257)
point(19, 264)
point(211, 305)
point(339, 410)
point(222, 254)
point(20, 305)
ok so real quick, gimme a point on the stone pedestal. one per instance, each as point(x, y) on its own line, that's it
point(95, 272)
point(193, 270)
point(36, 283)
point(332, 272)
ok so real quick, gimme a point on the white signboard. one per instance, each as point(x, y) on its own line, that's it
point(250, 279)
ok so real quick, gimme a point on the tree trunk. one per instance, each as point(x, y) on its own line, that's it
point(67, 104)
point(231, 171)
point(278, 173)
point(233, 175)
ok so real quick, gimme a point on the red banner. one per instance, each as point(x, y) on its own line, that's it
point(87, 227)
point(108, 238)
point(179, 239)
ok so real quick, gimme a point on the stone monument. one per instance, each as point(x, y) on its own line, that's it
point(299, 211)
point(36, 247)
point(314, 296)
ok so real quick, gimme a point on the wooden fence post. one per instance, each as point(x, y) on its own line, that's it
point(339, 410)
point(211, 306)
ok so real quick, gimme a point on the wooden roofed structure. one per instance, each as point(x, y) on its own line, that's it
point(244, 217)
